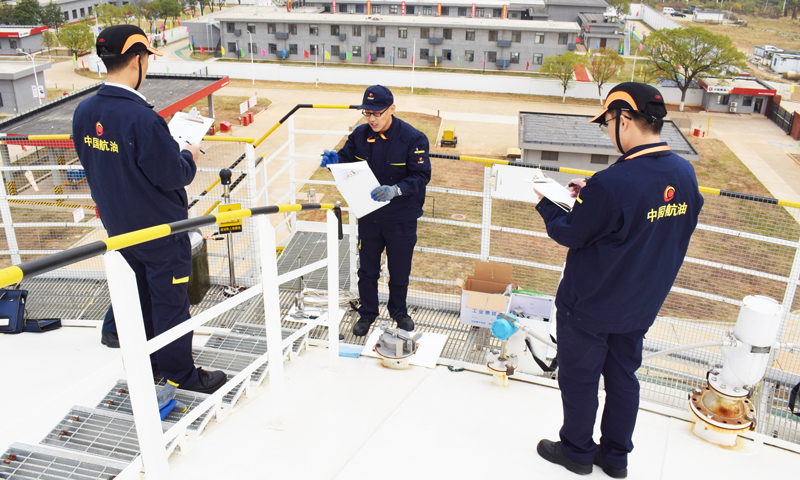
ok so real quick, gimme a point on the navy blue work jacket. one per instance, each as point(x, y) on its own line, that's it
point(398, 156)
point(135, 170)
point(627, 236)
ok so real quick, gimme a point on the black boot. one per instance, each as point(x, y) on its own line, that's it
point(207, 382)
point(361, 327)
point(404, 322)
point(110, 339)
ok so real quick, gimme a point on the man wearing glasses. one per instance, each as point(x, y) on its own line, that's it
point(627, 236)
point(397, 154)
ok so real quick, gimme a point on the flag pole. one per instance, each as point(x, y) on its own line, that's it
point(413, 51)
point(316, 72)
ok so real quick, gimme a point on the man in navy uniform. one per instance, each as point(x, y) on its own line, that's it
point(137, 175)
point(627, 236)
point(397, 154)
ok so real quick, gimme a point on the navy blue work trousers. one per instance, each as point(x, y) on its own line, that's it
point(582, 356)
point(398, 239)
point(162, 280)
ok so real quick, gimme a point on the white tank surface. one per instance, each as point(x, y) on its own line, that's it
point(759, 321)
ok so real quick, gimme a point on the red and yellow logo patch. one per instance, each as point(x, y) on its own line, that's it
point(99, 129)
point(669, 193)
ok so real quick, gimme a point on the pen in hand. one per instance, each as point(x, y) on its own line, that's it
point(201, 150)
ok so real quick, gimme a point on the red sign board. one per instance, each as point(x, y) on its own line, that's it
point(369, 7)
point(473, 10)
point(439, 10)
point(333, 7)
point(505, 12)
point(402, 8)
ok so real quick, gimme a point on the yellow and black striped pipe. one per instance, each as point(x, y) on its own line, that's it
point(296, 108)
point(15, 274)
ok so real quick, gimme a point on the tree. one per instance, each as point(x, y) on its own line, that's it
point(170, 9)
point(76, 38)
point(49, 39)
point(605, 65)
point(51, 16)
point(6, 14)
point(623, 7)
point(563, 68)
point(151, 12)
point(688, 54)
point(27, 12)
point(203, 4)
point(108, 15)
point(650, 72)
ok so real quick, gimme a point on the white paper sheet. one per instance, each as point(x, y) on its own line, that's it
point(510, 183)
point(323, 315)
point(555, 192)
point(428, 353)
point(186, 128)
point(355, 182)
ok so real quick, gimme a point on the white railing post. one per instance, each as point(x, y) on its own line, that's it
point(272, 313)
point(292, 175)
point(486, 215)
point(353, 271)
point(133, 344)
point(333, 288)
point(252, 197)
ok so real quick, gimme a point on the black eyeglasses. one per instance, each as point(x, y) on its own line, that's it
point(604, 125)
point(367, 113)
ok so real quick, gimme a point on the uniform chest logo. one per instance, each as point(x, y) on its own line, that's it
point(370, 97)
point(669, 193)
point(99, 129)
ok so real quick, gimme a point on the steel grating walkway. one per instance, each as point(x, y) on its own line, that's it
point(34, 461)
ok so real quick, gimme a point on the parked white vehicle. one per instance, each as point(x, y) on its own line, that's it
point(668, 11)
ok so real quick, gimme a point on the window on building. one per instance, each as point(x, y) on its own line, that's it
point(12, 44)
point(356, 51)
point(514, 57)
point(342, 8)
point(497, 12)
point(479, 12)
point(538, 58)
point(293, 48)
point(230, 27)
point(447, 33)
point(66, 16)
point(447, 54)
point(335, 50)
point(602, 159)
point(445, 11)
point(549, 155)
point(538, 38)
point(356, 30)
point(335, 30)
point(747, 101)
point(380, 32)
point(427, 10)
point(462, 11)
point(402, 33)
point(83, 12)
point(271, 28)
point(723, 99)
point(273, 48)
point(380, 52)
point(471, 35)
point(376, 9)
point(359, 8)
point(393, 9)
point(516, 37)
point(313, 30)
point(491, 57)
point(233, 49)
point(90, 11)
point(492, 35)
point(292, 29)
point(74, 14)
point(410, 9)
point(563, 38)
point(424, 32)
point(469, 56)
point(1, 99)
point(514, 15)
point(252, 48)
point(402, 53)
point(423, 53)
point(251, 28)
point(312, 50)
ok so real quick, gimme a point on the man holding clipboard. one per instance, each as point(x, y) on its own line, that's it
point(397, 154)
point(627, 235)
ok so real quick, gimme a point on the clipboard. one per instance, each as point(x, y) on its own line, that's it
point(355, 182)
point(555, 192)
point(189, 128)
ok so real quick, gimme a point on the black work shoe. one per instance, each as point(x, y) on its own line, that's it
point(551, 451)
point(207, 382)
point(404, 322)
point(361, 327)
point(110, 339)
point(609, 470)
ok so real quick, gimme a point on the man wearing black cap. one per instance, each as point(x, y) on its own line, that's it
point(137, 176)
point(627, 236)
point(398, 155)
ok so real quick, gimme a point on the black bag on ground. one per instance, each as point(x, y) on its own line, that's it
point(12, 314)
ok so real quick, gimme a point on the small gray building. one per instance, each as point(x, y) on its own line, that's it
point(26, 37)
point(601, 30)
point(387, 39)
point(708, 16)
point(571, 141)
point(18, 91)
point(736, 95)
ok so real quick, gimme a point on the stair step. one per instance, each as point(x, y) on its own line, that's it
point(35, 461)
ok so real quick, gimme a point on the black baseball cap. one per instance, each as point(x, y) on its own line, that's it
point(641, 98)
point(376, 98)
point(120, 39)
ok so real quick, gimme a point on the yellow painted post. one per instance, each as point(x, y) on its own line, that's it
point(708, 130)
point(58, 191)
point(11, 189)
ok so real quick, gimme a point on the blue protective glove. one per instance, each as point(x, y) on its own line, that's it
point(329, 157)
point(384, 193)
point(166, 400)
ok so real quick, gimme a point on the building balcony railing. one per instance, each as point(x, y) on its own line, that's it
point(435, 59)
point(342, 56)
point(373, 38)
point(435, 40)
point(342, 37)
point(281, 35)
point(504, 43)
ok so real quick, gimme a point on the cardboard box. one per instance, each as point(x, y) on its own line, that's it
point(531, 305)
point(482, 294)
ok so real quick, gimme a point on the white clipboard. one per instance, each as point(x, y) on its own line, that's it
point(355, 182)
point(188, 128)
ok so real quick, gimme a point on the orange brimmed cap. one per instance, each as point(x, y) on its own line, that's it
point(121, 39)
point(638, 97)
